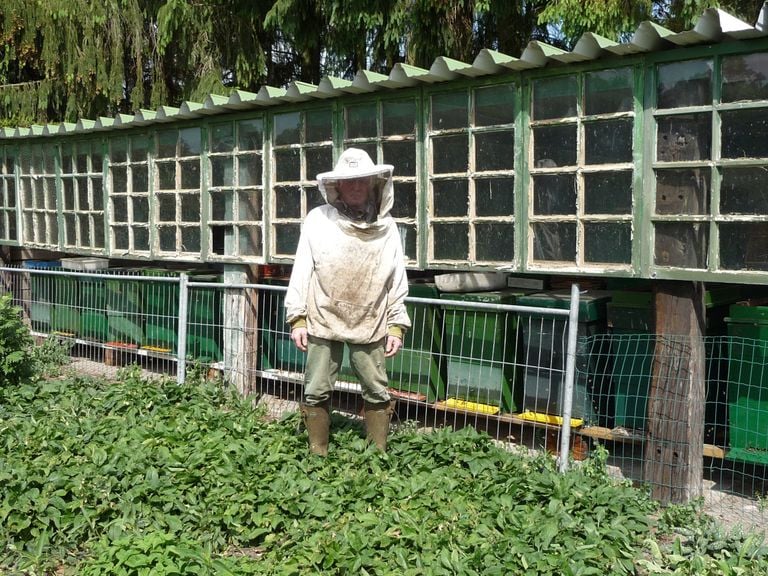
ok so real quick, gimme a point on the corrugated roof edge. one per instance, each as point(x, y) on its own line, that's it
point(714, 25)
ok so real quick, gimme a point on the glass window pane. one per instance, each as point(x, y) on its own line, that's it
point(118, 150)
point(745, 77)
point(402, 155)
point(190, 239)
point(319, 127)
point(51, 232)
point(190, 174)
point(249, 207)
point(361, 121)
point(222, 171)
point(119, 209)
point(745, 133)
point(744, 246)
point(222, 207)
point(398, 117)
point(287, 165)
point(190, 207)
point(608, 242)
point(450, 154)
point(120, 238)
point(250, 134)
point(250, 240)
point(451, 197)
point(608, 141)
point(554, 146)
point(554, 97)
point(314, 198)
point(166, 143)
point(97, 194)
point(608, 91)
point(683, 191)
point(140, 209)
point(249, 170)
point(166, 207)
point(319, 160)
point(608, 192)
point(681, 244)
point(554, 194)
point(494, 150)
point(495, 196)
point(287, 128)
point(286, 238)
point(683, 138)
point(494, 105)
point(684, 84)
point(408, 238)
point(166, 175)
point(189, 142)
point(451, 241)
point(85, 230)
point(221, 239)
point(141, 239)
point(222, 137)
point(449, 111)
point(167, 237)
point(140, 178)
point(68, 194)
point(744, 191)
point(288, 202)
point(405, 200)
point(98, 231)
point(97, 163)
point(83, 202)
point(554, 241)
point(495, 241)
point(70, 232)
point(140, 147)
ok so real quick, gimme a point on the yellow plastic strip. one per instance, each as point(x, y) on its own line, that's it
point(548, 418)
point(471, 406)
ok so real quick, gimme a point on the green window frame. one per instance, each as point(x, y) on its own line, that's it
point(82, 195)
point(236, 190)
point(387, 131)
point(472, 176)
point(177, 192)
point(8, 200)
point(582, 170)
point(37, 187)
point(302, 147)
point(710, 210)
point(129, 195)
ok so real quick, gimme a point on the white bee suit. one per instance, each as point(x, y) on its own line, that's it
point(349, 280)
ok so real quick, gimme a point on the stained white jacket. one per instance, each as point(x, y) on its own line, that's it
point(348, 278)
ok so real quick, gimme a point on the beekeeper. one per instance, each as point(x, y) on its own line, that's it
point(348, 287)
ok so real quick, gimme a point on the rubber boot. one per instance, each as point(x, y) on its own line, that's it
point(318, 422)
point(377, 418)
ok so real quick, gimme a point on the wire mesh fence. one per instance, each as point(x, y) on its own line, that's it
point(497, 361)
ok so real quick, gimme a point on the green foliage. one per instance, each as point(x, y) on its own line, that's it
point(51, 356)
point(15, 344)
point(148, 477)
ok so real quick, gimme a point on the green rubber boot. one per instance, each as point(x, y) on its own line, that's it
point(377, 418)
point(318, 422)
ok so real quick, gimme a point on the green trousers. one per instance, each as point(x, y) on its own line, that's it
point(324, 358)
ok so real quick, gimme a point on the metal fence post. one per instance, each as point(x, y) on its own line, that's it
point(181, 348)
point(570, 376)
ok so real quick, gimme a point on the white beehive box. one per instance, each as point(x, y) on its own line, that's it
point(84, 264)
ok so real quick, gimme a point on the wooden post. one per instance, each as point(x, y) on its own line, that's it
point(240, 322)
point(675, 430)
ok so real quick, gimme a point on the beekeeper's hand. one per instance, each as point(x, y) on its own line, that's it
point(393, 346)
point(299, 337)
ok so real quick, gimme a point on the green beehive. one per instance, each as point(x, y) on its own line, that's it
point(160, 302)
point(65, 313)
point(748, 383)
point(481, 348)
point(545, 344)
point(417, 369)
point(41, 294)
point(278, 351)
point(93, 312)
point(124, 309)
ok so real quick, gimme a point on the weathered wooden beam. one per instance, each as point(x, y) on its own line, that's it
point(675, 433)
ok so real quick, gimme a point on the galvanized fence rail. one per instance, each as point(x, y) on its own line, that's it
point(535, 378)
